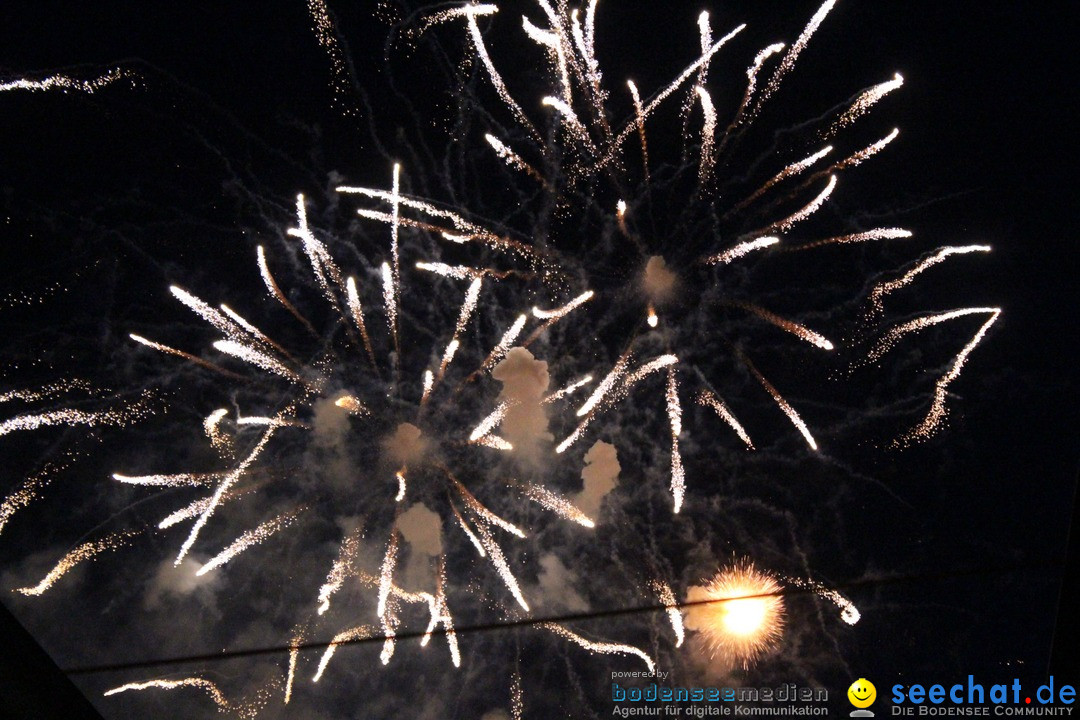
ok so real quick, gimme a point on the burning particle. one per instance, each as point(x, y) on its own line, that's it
point(741, 249)
point(708, 399)
point(667, 597)
point(84, 552)
point(799, 331)
point(64, 83)
point(848, 612)
point(557, 504)
point(178, 480)
point(674, 411)
point(708, 135)
point(877, 295)
point(599, 647)
point(866, 100)
point(351, 635)
point(247, 540)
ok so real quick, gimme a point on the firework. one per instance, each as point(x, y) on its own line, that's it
point(392, 374)
point(65, 83)
point(247, 710)
point(766, 220)
point(83, 553)
point(600, 647)
point(409, 454)
point(667, 597)
point(739, 612)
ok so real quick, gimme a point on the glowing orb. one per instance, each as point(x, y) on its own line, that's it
point(739, 613)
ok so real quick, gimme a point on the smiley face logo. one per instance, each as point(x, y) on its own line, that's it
point(862, 693)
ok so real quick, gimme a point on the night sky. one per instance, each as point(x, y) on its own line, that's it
point(954, 550)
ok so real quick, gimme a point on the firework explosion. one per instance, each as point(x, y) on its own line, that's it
point(674, 264)
point(431, 376)
point(739, 611)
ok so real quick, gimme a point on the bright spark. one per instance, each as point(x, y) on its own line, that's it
point(84, 552)
point(247, 540)
point(600, 647)
point(741, 249)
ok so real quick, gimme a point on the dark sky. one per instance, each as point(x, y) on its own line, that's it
point(954, 550)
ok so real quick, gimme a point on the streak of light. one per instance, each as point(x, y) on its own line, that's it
point(741, 249)
point(186, 356)
point(557, 504)
point(495, 554)
point(938, 410)
point(340, 571)
point(275, 291)
point(868, 235)
point(64, 83)
point(248, 539)
point(350, 635)
point(567, 391)
point(667, 597)
point(788, 61)
point(848, 612)
point(259, 359)
point(708, 136)
point(352, 298)
point(639, 112)
point(708, 399)
point(553, 316)
point(222, 489)
point(800, 331)
point(674, 412)
point(877, 295)
point(866, 100)
point(326, 34)
point(178, 480)
point(605, 386)
point(482, 510)
point(490, 422)
point(790, 171)
point(784, 405)
point(809, 209)
point(84, 552)
point(505, 343)
point(600, 647)
point(511, 158)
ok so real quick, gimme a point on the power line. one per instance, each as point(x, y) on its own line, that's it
point(570, 617)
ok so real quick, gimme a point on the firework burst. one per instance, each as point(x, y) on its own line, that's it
point(406, 380)
point(739, 611)
point(402, 431)
point(668, 248)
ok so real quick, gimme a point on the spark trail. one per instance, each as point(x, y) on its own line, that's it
point(245, 541)
point(600, 647)
point(83, 553)
point(65, 83)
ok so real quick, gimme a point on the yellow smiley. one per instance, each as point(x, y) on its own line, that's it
point(862, 693)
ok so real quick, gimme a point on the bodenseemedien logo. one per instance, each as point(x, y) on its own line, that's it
point(862, 694)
